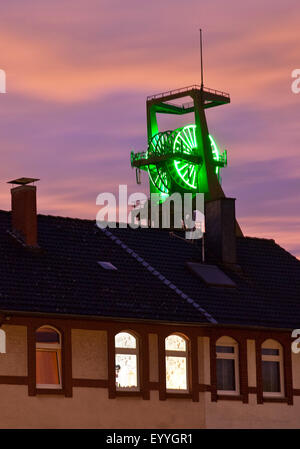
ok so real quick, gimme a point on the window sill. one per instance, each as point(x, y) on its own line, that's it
point(178, 395)
point(274, 399)
point(128, 393)
point(229, 397)
point(50, 391)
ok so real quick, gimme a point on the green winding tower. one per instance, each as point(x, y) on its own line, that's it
point(186, 159)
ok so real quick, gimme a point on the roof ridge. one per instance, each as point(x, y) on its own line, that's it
point(248, 237)
point(273, 241)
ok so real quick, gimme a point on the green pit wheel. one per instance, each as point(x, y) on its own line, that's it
point(169, 173)
point(185, 173)
point(158, 147)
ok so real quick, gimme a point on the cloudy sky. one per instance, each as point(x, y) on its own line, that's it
point(78, 73)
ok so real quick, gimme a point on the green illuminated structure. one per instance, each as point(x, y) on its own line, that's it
point(187, 159)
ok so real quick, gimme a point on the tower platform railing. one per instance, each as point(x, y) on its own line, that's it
point(187, 89)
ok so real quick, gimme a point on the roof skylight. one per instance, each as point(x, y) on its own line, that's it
point(107, 265)
point(210, 274)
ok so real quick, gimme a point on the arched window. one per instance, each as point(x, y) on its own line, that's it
point(227, 366)
point(272, 368)
point(176, 363)
point(127, 363)
point(48, 358)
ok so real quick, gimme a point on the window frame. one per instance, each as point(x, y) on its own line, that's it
point(228, 341)
point(273, 344)
point(128, 351)
point(2, 341)
point(174, 353)
point(57, 348)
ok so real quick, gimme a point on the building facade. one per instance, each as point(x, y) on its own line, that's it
point(128, 328)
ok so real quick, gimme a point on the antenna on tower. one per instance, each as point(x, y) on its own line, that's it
point(201, 58)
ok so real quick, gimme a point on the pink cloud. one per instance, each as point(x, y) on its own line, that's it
point(78, 74)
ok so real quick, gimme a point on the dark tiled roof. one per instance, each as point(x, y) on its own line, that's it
point(152, 281)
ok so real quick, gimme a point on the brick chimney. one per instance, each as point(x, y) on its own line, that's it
point(220, 231)
point(23, 211)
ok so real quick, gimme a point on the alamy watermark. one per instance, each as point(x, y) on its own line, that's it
point(2, 82)
point(295, 86)
point(296, 343)
point(137, 210)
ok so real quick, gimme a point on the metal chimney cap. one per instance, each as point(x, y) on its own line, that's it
point(22, 181)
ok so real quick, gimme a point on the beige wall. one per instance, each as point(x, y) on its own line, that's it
point(153, 357)
point(296, 370)
point(251, 363)
point(89, 354)
point(14, 362)
point(235, 415)
point(91, 407)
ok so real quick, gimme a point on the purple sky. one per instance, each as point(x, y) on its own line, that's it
point(78, 73)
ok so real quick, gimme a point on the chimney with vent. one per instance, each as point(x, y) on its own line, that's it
point(23, 211)
point(220, 231)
